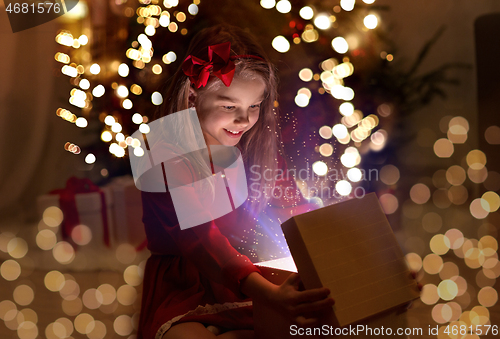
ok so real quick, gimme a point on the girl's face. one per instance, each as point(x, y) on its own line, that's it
point(228, 112)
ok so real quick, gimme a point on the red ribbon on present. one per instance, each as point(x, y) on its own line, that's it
point(219, 61)
point(67, 203)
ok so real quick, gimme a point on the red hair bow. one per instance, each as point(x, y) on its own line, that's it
point(198, 70)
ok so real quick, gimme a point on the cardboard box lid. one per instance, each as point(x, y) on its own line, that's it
point(350, 248)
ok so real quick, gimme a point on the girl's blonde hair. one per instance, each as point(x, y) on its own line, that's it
point(261, 144)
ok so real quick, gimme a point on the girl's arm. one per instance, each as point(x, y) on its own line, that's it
point(301, 307)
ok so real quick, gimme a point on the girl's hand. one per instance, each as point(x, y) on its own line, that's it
point(302, 307)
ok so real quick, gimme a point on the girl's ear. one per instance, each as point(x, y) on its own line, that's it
point(192, 97)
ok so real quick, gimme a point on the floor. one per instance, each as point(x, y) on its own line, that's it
point(53, 293)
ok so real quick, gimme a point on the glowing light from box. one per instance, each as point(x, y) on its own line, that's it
point(98, 91)
point(369, 2)
point(320, 168)
point(281, 44)
point(347, 5)
point(193, 9)
point(156, 98)
point(343, 187)
point(306, 13)
point(267, 4)
point(284, 6)
point(52, 216)
point(10, 270)
point(370, 21)
point(340, 45)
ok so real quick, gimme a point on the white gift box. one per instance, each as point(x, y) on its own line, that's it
point(94, 254)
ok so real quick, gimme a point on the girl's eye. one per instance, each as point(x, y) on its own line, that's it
point(255, 106)
point(229, 108)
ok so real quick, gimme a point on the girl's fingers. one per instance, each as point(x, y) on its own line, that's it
point(306, 322)
point(312, 295)
point(312, 307)
point(293, 279)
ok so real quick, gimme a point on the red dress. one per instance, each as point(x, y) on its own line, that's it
point(195, 274)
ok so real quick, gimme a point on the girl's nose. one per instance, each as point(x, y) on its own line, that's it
point(242, 117)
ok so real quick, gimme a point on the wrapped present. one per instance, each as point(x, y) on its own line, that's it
point(82, 203)
point(350, 248)
point(127, 213)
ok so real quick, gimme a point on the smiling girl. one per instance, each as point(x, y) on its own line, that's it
point(199, 282)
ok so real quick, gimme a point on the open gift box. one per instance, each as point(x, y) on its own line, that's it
point(350, 248)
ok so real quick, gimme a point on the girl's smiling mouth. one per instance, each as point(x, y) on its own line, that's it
point(233, 134)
